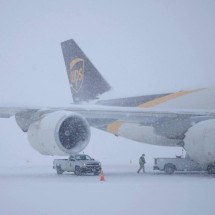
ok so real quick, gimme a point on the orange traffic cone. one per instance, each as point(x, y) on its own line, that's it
point(102, 176)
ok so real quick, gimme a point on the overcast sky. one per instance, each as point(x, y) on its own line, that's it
point(138, 46)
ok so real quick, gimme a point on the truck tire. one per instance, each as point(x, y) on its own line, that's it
point(211, 169)
point(77, 170)
point(96, 173)
point(59, 170)
point(169, 168)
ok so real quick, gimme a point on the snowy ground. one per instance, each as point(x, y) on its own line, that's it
point(29, 185)
point(39, 190)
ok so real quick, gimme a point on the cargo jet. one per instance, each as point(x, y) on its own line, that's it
point(184, 118)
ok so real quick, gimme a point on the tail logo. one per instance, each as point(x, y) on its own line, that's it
point(76, 74)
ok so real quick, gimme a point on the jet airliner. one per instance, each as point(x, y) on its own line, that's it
point(184, 118)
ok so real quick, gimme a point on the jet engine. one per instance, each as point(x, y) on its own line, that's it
point(59, 133)
point(200, 142)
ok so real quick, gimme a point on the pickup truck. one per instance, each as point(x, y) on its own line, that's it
point(79, 164)
point(170, 165)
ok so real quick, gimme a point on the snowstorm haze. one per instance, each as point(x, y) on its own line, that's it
point(138, 46)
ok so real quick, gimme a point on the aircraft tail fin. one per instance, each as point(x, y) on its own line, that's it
point(86, 83)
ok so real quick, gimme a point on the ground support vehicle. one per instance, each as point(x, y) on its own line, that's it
point(170, 165)
point(79, 164)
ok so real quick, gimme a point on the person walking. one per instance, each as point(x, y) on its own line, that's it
point(142, 162)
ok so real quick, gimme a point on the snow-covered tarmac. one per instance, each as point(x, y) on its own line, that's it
point(39, 190)
point(29, 185)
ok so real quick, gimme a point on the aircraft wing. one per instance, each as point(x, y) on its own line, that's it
point(136, 115)
point(103, 112)
point(154, 126)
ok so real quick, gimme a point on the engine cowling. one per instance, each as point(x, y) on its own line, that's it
point(59, 133)
point(200, 142)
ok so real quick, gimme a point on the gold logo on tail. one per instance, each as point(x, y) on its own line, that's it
point(76, 74)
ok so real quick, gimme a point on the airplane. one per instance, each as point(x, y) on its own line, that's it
point(183, 118)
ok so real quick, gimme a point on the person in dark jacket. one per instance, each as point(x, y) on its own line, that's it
point(142, 162)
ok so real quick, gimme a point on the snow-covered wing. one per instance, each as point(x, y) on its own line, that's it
point(100, 112)
point(7, 112)
point(155, 126)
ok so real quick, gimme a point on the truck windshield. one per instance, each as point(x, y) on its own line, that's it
point(82, 157)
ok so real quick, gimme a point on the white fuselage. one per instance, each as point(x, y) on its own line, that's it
point(199, 139)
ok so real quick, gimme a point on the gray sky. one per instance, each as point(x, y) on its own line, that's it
point(138, 46)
